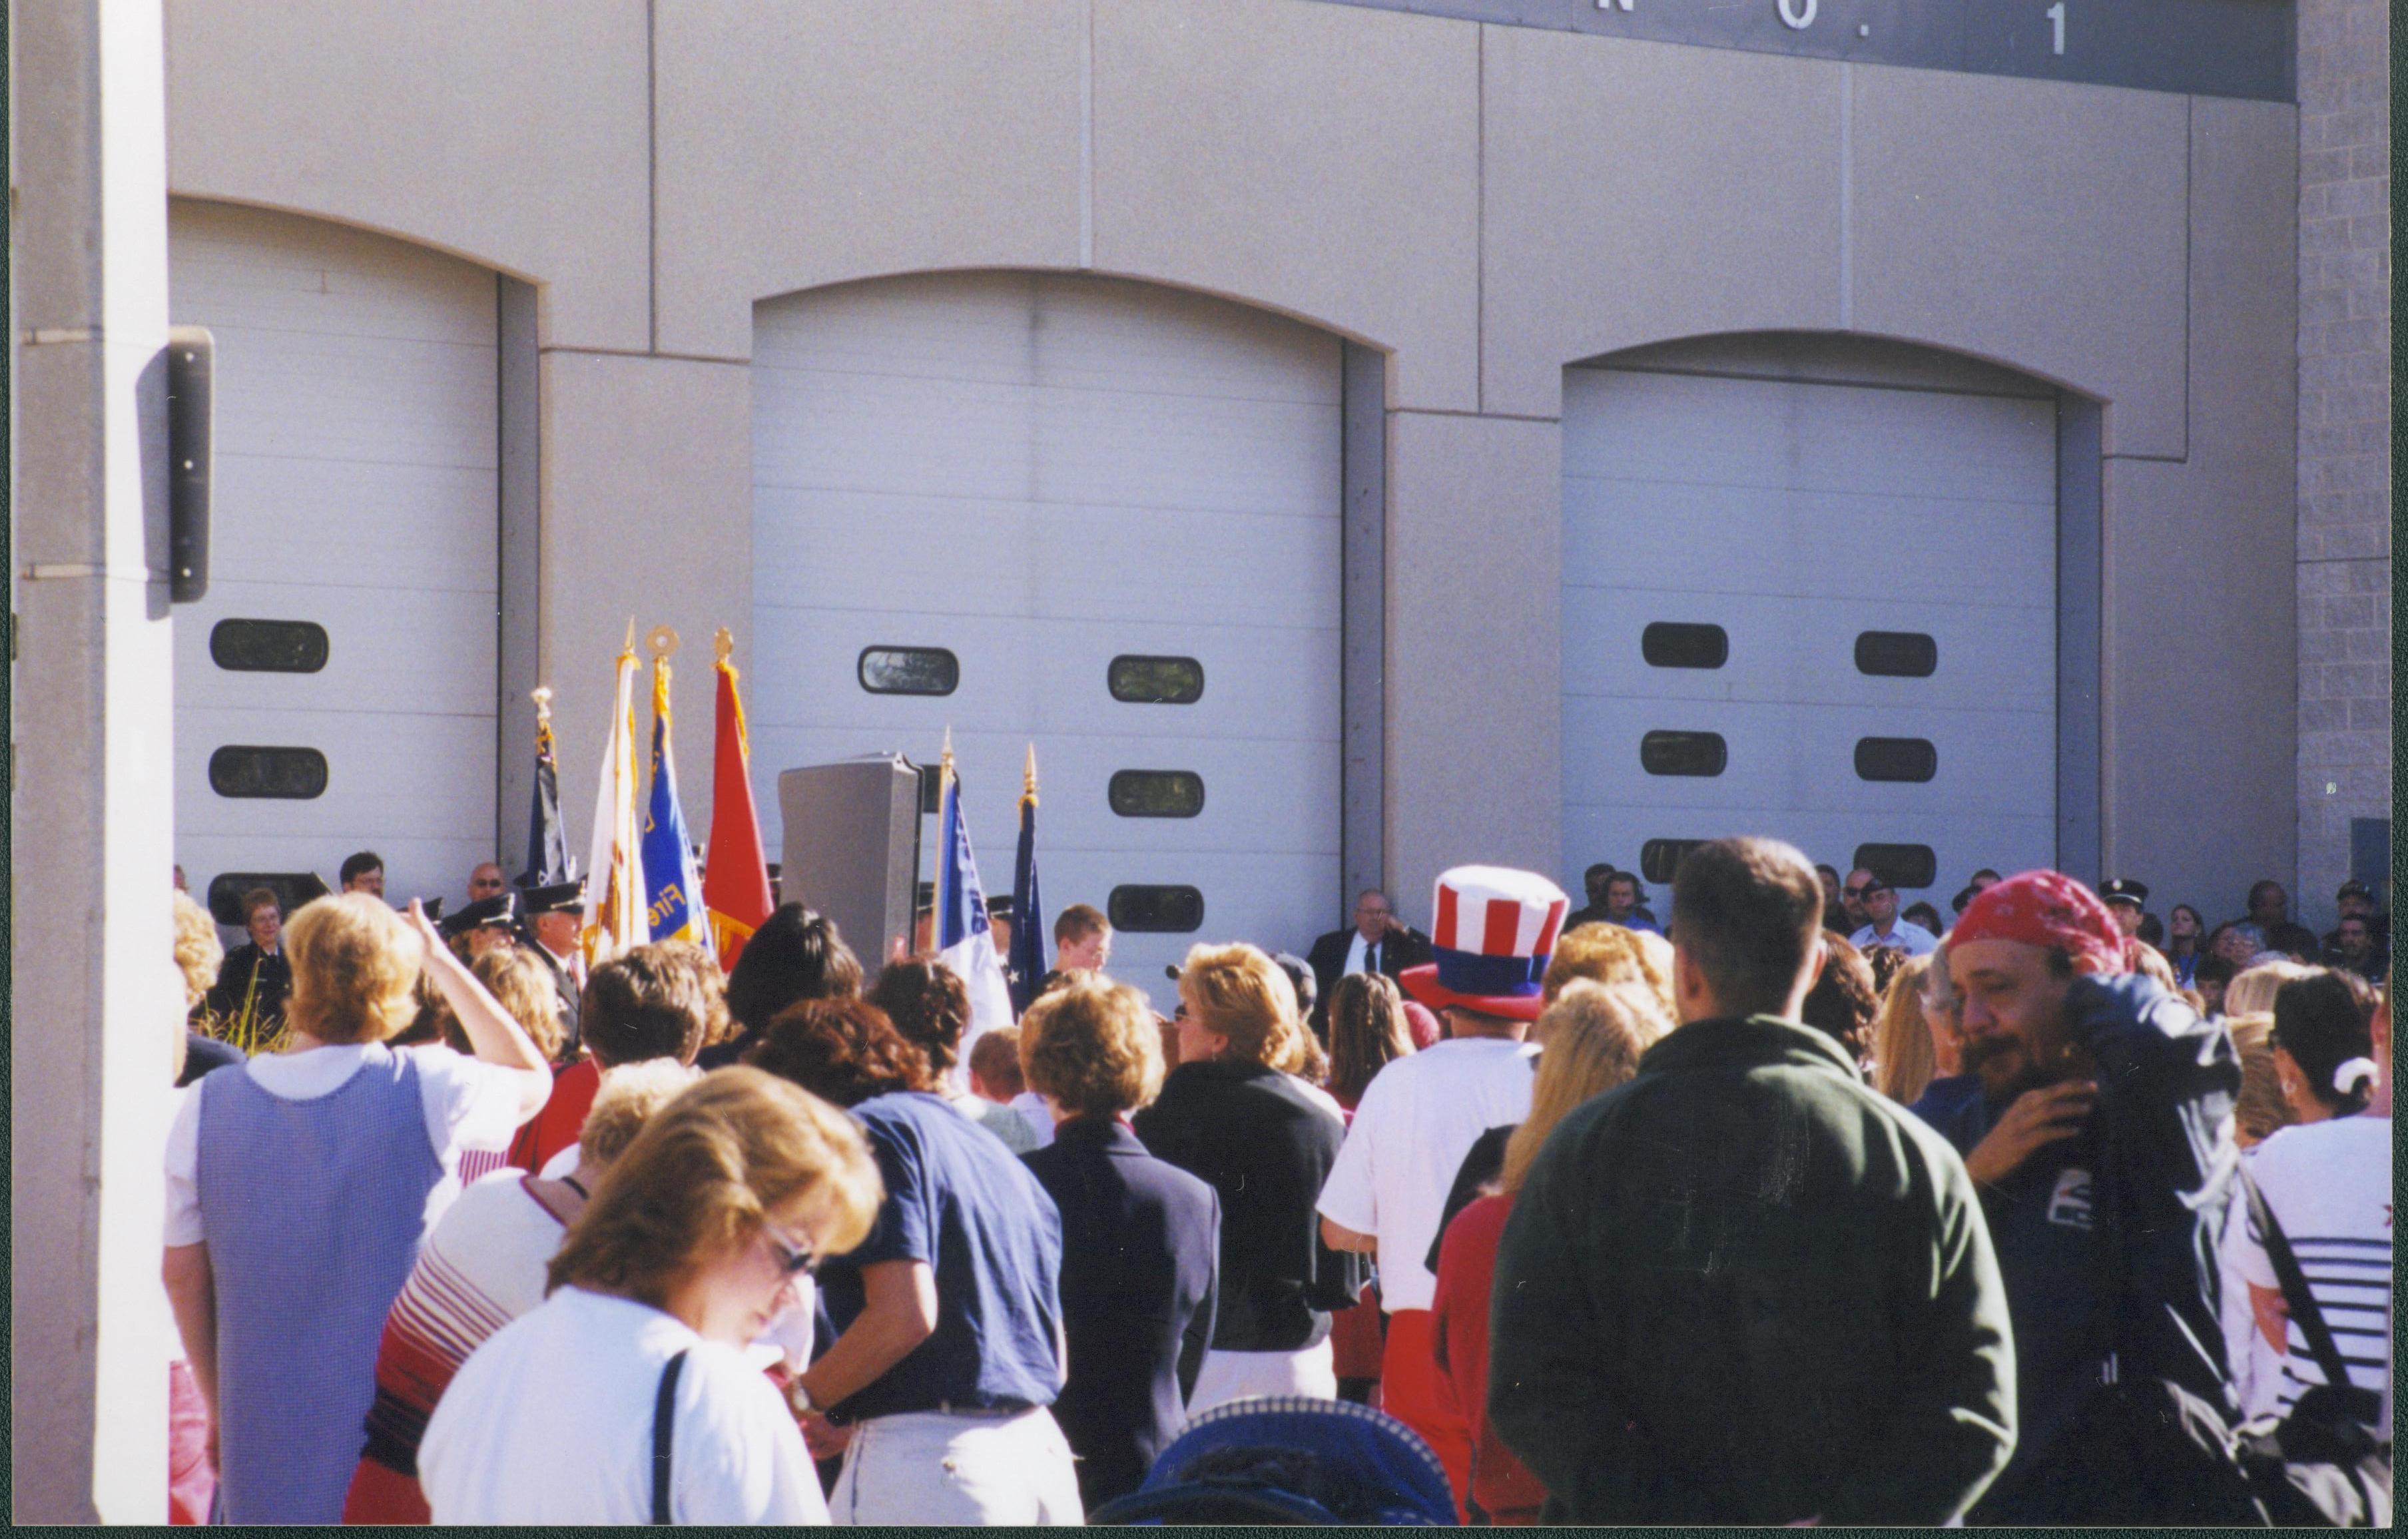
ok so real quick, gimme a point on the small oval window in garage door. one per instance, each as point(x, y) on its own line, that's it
point(267, 646)
point(1158, 793)
point(292, 890)
point(1897, 653)
point(1896, 758)
point(1156, 681)
point(908, 671)
point(1684, 753)
point(1161, 910)
point(1678, 644)
point(287, 774)
point(1899, 865)
point(1658, 858)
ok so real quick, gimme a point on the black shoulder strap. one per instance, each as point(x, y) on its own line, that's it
point(2296, 1293)
point(663, 1429)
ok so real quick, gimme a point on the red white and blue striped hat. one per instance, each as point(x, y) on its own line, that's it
point(1494, 931)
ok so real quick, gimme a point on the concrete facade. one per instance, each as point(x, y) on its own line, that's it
point(93, 999)
point(1481, 204)
point(2344, 450)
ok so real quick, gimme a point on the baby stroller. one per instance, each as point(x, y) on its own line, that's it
point(1287, 1458)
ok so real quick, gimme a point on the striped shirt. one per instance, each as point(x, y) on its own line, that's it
point(481, 1267)
point(2329, 1186)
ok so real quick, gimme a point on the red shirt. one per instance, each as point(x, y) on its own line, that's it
point(1466, 1266)
point(563, 1117)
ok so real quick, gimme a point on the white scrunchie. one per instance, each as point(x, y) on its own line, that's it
point(2346, 1077)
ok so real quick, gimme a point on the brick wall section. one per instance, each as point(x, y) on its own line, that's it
point(2345, 502)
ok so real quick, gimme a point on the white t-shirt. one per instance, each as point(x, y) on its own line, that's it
point(551, 1422)
point(1418, 1119)
point(470, 1105)
point(1914, 940)
point(2329, 1186)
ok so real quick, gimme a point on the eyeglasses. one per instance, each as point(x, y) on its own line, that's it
point(792, 1259)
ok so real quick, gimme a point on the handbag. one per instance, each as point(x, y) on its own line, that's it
point(664, 1432)
point(2322, 1465)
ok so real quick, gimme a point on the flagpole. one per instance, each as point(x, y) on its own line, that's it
point(947, 786)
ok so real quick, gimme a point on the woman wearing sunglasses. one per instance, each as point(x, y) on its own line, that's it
point(628, 1396)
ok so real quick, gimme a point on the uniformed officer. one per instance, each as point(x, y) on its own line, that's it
point(552, 917)
point(2125, 899)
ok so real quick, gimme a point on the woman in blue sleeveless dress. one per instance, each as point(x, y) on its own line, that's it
point(299, 1186)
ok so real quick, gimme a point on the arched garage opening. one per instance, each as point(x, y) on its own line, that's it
point(1811, 589)
point(1098, 515)
point(335, 689)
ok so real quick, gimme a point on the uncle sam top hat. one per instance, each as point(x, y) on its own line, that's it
point(1495, 928)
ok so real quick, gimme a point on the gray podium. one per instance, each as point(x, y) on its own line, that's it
point(853, 848)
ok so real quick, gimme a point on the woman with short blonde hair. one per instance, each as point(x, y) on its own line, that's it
point(300, 1186)
point(1140, 1239)
point(1596, 1035)
point(1232, 1116)
point(1609, 954)
point(693, 1243)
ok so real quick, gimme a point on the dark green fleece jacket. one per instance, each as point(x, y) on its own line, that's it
point(1746, 1289)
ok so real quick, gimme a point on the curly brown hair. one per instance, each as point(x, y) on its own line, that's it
point(928, 1003)
point(1843, 1001)
point(1093, 1047)
point(843, 1050)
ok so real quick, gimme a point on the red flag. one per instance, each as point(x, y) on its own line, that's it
point(736, 884)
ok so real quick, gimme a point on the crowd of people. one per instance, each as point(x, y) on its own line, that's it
point(1791, 1205)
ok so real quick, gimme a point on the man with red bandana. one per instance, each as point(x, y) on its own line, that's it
point(2095, 1116)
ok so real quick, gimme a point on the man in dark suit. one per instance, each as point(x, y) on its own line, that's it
point(1140, 1238)
point(1377, 942)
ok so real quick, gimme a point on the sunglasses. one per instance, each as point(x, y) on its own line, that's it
point(791, 1258)
point(1866, 891)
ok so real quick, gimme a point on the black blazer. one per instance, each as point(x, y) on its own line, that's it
point(1266, 1145)
point(1396, 952)
point(235, 984)
point(1140, 1253)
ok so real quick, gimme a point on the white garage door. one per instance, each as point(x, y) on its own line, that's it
point(1073, 492)
point(335, 689)
point(1816, 599)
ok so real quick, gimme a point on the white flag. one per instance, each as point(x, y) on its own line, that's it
point(615, 916)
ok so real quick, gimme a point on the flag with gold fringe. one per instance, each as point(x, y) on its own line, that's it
point(614, 876)
point(674, 907)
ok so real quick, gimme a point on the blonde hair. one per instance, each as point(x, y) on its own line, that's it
point(526, 993)
point(1239, 993)
point(199, 954)
point(2259, 1112)
point(1904, 1060)
point(354, 964)
point(1093, 1047)
point(2252, 992)
point(706, 1172)
point(1611, 954)
point(1595, 1033)
point(625, 1100)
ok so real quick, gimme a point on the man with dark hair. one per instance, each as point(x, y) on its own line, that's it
point(1883, 927)
point(2355, 900)
point(1626, 903)
point(2354, 949)
point(362, 872)
point(2268, 904)
point(1593, 882)
point(2213, 972)
point(2095, 1112)
point(644, 1003)
point(1744, 1288)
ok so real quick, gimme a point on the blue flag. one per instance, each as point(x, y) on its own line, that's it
point(673, 906)
point(963, 942)
point(1028, 963)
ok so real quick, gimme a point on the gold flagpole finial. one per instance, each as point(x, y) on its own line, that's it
point(630, 644)
point(1028, 778)
point(723, 643)
point(663, 641)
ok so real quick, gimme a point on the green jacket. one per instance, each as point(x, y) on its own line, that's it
point(1745, 1289)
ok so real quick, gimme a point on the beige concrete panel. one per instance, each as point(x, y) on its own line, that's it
point(511, 132)
point(647, 515)
point(2200, 588)
point(2035, 223)
point(805, 142)
point(1640, 191)
point(1319, 160)
point(1475, 648)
